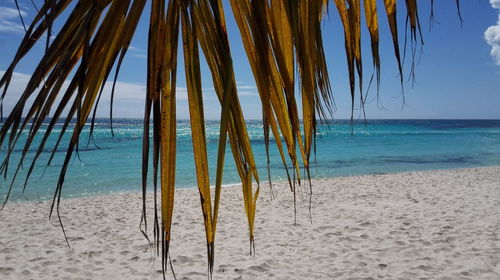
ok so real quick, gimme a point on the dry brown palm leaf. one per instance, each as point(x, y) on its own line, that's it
point(252, 21)
point(371, 18)
point(195, 99)
point(208, 17)
point(284, 45)
point(161, 103)
point(390, 8)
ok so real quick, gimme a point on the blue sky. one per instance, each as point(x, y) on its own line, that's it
point(457, 75)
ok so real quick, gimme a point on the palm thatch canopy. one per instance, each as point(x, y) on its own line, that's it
point(284, 45)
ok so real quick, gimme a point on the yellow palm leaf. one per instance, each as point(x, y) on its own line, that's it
point(284, 45)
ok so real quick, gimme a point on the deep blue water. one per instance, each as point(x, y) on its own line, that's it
point(382, 146)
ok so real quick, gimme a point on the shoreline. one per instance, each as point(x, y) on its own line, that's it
point(263, 184)
point(440, 223)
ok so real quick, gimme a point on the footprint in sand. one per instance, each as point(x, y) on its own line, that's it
point(6, 270)
point(257, 268)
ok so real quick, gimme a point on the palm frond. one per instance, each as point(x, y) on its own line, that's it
point(284, 46)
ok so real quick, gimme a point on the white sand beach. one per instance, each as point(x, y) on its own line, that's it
point(416, 225)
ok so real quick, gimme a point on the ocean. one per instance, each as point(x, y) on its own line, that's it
point(113, 164)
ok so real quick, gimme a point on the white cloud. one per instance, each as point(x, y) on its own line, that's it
point(246, 87)
point(129, 98)
point(492, 34)
point(492, 37)
point(137, 52)
point(243, 90)
point(247, 93)
point(128, 102)
point(135, 49)
point(495, 4)
point(246, 90)
point(10, 21)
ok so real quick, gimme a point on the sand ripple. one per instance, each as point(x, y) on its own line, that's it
point(429, 225)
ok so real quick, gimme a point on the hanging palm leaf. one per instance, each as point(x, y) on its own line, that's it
point(283, 42)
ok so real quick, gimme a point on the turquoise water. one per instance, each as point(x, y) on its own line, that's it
point(383, 146)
